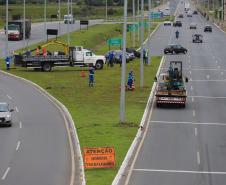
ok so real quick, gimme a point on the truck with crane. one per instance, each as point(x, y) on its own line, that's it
point(71, 56)
point(171, 86)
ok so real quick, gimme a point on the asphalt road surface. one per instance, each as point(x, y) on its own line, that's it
point(35, 150)
point(188, 146)
point(38, 34)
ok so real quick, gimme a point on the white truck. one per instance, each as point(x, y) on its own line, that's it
point(69, 19)
point(77, 56)
point(186, 7)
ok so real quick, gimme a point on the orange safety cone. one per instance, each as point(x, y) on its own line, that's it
point(83, 74)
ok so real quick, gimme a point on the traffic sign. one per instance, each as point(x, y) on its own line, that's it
point(114, 42)
point(156, 15)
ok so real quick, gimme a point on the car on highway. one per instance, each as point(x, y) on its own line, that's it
point(195, 12)
point(177, 24)
point(197, 38)
point(167, 23)
point(133, 52)
point(5, 114)
point(207, 28)
point(193, 26)
point(189, 14)
point(175, 49)
point(180, 16)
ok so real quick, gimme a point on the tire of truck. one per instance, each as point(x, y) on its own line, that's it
point(47, 67)
point(99, 64)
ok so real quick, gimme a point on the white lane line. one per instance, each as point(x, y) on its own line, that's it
point(208, 80)
point(190, 72)
point(20, 124)
point(182, 171)
point(208, 97)
point(6, 173)
point(192, 99)
point(188, 123)
point(216, 61)
point(208, 77)
point(196, 131)
point(17, 109)
point(193, 113)
point(191, 79)
point(9, 97)
point(198, 158)
point(18, 145)
point(191, 88)
point(222, 73)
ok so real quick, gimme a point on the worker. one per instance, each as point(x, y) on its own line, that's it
point(177, 34)
point(91, 75)
point(38, 51)
point(7, 62)
point(111, 57)
point(130, 80)
point(145, 56)
point(44, 52)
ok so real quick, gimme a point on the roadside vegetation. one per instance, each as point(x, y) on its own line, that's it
point(96, 110)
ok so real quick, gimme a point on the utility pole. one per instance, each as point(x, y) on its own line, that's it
point(24, 26)
point(59, 15)
point(134, 28)
point(123, 69)
point(45, 17)
point(138, 20)
point(149, 32)
point(7, 20)
point(68, 12)
point(106, 14)
point(142, 46)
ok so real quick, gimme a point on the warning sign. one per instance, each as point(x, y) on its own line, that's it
point(99, 157)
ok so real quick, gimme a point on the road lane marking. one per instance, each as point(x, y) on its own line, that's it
point(18, 145)
point(208, 77)
point(192, 99)
point(182, 171)
point(190, 72)
point(216, 61)
point(208, 97)
point(196, 131)
point(191, 88)
point(198, 158)
point(9, 97)
point(6, 173)
point(188, 123)
point(20, 124)
point(208, 80)
point(191, 79)
point(17, 109)
point(193, 113)
point(222, 73)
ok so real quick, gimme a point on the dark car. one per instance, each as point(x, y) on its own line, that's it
point(180, 16)
point(197, 38)
point(177, 24)
point(207, 28)
point(133, 51)
point(195, 12)
point(175, 49)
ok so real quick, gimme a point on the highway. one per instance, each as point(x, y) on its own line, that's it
point(188, 146)
point(38, 34)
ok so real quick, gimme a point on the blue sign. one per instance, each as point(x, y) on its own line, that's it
point(156, 15)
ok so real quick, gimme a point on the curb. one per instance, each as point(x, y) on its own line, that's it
point(219, 27)
point(122, 171)
point(70, 127)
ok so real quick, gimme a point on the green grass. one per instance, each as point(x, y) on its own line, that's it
point(96, 110)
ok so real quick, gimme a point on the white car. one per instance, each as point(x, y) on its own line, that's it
point(193, 26)
point(167, 23)
point(5, 114)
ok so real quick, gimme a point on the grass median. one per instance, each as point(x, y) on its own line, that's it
point(96, 110)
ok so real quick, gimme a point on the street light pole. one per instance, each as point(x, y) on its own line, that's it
point(106, 14)
point(59, 15)
point(123, 69)
point(7, 20)
point(45, 17)
point(138, 20)
point(142, 46)
point(149, 32)
point(24, 26)
point(68, 12)
point(133, 29)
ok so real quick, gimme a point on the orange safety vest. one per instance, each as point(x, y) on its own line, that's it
point(44, 52)
point(37, 51)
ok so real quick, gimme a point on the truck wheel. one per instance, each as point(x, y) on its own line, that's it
point(46, 67)
point(99, 65)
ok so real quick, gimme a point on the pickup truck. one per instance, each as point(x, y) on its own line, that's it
point(77, 56)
